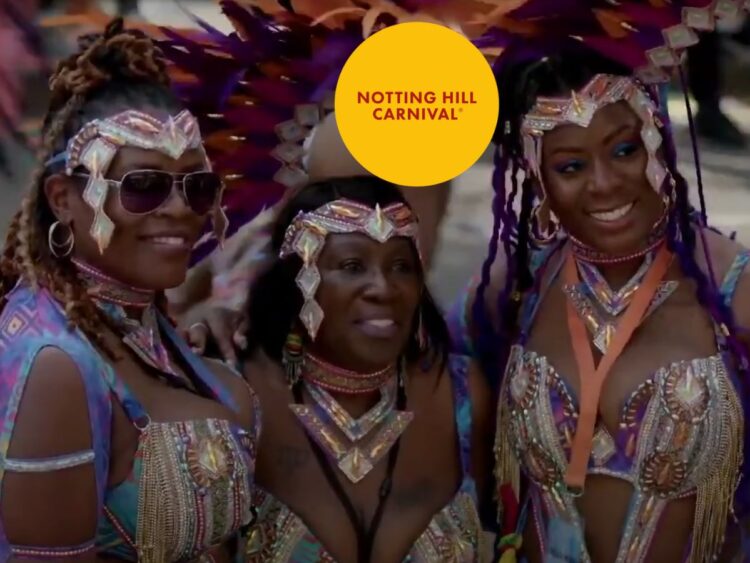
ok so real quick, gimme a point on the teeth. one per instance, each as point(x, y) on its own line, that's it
point(613, 215)
point(381, 323)
point(171, 241)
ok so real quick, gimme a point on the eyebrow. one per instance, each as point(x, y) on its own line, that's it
point(144, 166)
point(620, 129)
point(192, 167)
point(611, 135)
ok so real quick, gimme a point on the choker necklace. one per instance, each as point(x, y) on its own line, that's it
point(600, 307)
point(355, 445)
point(102, 287)
point(344, 381)
point(657, 237)
point(352, 457)
point(141, 335)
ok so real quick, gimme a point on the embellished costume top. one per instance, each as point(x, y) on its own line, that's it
point(453, 534)
point(189, 488)
point(680, 434)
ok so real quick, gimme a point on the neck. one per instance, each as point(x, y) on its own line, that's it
point(618, 274)
point(343, 381)
point(104, 288)
point(357, 405)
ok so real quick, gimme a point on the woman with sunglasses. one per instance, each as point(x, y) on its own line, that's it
point(117, 443)
point(375, 442)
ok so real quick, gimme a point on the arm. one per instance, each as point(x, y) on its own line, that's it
point(219, 317)
point(41, 506)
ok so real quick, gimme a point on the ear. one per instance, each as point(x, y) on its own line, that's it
point(59, 192)
point(536, 185)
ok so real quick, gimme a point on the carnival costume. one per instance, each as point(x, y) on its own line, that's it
point(355, 446)
point(259, 93)
point(190, 484)
point(681, 433)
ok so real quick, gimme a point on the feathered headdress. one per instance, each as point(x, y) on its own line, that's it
point(648, 36)
point(260, 90)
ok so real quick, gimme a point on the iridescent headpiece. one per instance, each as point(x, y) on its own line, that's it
point(306, 236)
point(579, 109)
point(96, 144)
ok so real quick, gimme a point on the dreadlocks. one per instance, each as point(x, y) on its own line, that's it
point(115, 69)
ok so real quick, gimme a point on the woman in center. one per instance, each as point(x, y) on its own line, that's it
point(372, 435)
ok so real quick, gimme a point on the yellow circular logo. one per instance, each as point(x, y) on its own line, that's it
point(416, 104)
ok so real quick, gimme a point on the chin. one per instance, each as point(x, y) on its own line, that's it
point(161, 281)
point(377, 355)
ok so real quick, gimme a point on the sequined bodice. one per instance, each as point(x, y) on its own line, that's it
point(673, 436)
point(677, 410)
point(190, 483)
point(282, 537)
point(189, 487)
point(679, 434)
point(453, 534)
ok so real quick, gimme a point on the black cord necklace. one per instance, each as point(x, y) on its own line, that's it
point(365, 534)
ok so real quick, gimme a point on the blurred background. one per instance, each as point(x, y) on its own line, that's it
point(717, 71)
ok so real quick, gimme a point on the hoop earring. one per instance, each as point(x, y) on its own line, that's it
point(63, 249)
point(544, 230)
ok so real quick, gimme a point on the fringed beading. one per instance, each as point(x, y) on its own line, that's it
point(715, 496)
point(151, 516)
point(507, 468)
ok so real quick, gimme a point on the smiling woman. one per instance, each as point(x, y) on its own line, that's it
point(118, 443)
point(627, 417)
point(594, 178)
point(375, 439)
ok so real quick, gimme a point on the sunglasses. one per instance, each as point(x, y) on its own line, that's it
point(145, 191)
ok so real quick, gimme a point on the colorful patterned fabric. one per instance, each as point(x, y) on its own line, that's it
point(32, 321)
point(654, 448)
point(453, 534)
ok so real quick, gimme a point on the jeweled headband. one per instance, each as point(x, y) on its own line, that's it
point(307, 233)
point(94, 147)
point(579, 109)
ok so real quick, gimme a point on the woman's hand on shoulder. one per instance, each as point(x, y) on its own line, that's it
point(41, 506)
point(210, 322)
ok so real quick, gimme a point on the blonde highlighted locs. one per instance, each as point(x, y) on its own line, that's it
point(113, 70)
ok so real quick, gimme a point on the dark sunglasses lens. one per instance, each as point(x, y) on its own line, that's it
point(201, 191)
point(145, 191)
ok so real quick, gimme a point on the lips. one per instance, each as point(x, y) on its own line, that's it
point(378, 327)
point(612, 215)
point(169, 241)
point(172, 241)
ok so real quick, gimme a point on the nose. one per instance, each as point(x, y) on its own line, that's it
point(378, 286)
point(605, 179)
point(176, 205)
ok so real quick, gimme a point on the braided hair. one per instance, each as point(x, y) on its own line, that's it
point(112, 71)
point(521, 84)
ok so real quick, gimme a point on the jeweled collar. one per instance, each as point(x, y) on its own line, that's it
point(104, 288)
